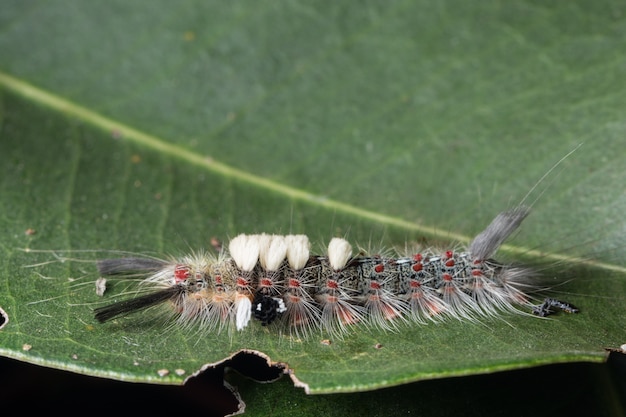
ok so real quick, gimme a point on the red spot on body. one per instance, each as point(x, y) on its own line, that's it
point(477, 272)
point(294, 283)
point(299, 319)
point(218, 279)
point(434, 308)
point(417, 257)
point(389, 312)
point(332, 284)
point(266, 282)
point(446, 277)
point(415, 284)
point(379, 268)
point(417, 267)
point(449, 289)
point(242, 282)
point(181, 273)
point(374, 285)
point(450, 263)
point(449, 254)
point(347, 316)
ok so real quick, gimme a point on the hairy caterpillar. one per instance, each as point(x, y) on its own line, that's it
point(276, 280)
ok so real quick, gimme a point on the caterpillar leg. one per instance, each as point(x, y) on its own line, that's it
point(549, 304)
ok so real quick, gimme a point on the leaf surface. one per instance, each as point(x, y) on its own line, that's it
point(152, 129)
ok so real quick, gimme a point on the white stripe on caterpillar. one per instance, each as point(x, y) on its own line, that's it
point(276, 280)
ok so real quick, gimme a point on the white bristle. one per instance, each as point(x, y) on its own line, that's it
point(339, 253)
point(298, 248)
point(273, 253)
point(245, 251)
point(243, 311)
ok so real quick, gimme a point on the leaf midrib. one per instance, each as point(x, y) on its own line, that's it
point(125, 132)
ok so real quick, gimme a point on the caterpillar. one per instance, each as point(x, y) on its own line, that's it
point(277, 281)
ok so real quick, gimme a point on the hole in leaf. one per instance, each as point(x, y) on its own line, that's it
point(256, 366)
point(4, 318)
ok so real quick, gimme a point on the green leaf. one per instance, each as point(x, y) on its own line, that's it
point(153, 127)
